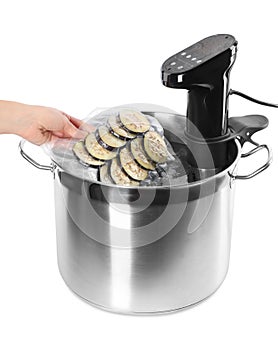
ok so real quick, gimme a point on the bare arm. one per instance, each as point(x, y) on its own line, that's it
point(37, 124)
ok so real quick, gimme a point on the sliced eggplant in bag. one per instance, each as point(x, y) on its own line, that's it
point(104, 175)
point(134, 121)
point(139, 154)
point(84, 157)
point(96, 150)
point(119, 176)
point(115, 128)
point(107, 139)
point(131, 167)
point(155, 147)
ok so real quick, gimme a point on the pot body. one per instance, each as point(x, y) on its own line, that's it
point(143, 250)
point(147, 249)
point(175, 271)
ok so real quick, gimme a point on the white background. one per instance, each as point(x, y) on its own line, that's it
point(78, 55)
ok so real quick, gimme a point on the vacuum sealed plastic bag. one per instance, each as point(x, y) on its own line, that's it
point(124, 147)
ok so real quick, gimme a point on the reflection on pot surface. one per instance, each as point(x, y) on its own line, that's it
point(147, 249)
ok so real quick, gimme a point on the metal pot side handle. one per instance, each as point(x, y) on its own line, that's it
point(259, 170)
point(31, 160)
point(235, 177)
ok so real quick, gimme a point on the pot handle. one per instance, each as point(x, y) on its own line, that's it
point(32, 161)
point(262, 168)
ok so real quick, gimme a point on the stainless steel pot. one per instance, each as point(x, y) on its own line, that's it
point(150, 249)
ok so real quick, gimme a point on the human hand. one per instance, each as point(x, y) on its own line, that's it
point(39, 124)
point(43, 124)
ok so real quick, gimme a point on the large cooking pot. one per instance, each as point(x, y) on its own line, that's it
point(147, 249)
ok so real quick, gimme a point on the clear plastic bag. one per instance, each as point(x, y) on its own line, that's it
point(61, 152)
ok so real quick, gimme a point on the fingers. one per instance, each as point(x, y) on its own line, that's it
point(58, 133)
point(71, 131)
point(79, 124)
point(76, 122)
point(87, 127)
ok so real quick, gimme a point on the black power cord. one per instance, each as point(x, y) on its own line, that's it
point(235, 92)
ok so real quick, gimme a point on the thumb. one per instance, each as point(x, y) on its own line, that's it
point(71, 131)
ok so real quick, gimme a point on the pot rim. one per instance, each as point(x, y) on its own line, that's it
point(167, 187)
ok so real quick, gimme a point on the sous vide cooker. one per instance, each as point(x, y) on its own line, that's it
point(157, 246)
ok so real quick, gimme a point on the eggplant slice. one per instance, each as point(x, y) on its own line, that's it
point(134, 121)
point(119, 176)
point(131, 167)
point(108, 139)
point(139, 154)
point(96, 150)
point(155, 147)
point(104, 175)
point(84, 157)
point(115, 128)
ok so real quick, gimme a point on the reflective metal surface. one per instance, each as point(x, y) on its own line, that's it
point(148, 249)
point(145, 250)
point(181, 268)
